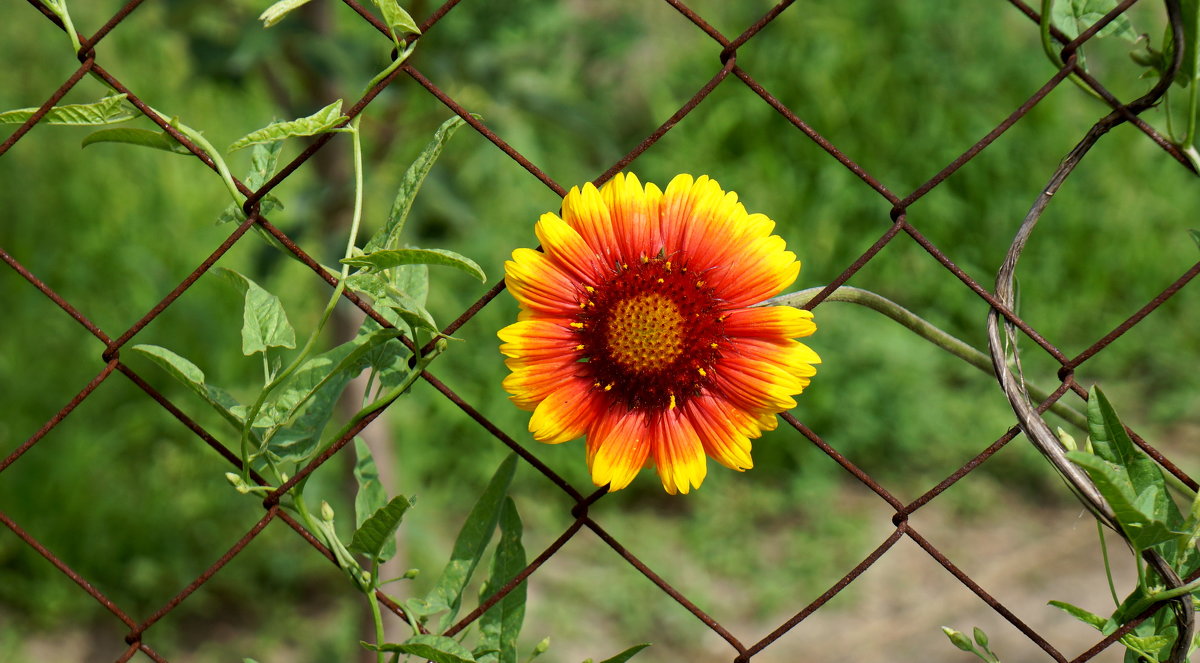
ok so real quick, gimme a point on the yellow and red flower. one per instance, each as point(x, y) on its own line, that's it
point(639, 329)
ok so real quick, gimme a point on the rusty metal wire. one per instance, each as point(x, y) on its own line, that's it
point(726, 71)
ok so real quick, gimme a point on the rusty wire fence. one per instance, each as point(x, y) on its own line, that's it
point(742, 645)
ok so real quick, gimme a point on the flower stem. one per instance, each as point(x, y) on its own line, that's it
point(926, 331)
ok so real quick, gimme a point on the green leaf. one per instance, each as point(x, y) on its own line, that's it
point(472, 540)
point(397, 19)
point(316, 386)
point(324, 120)
point(159, 140)
point(437, 648)
point(108, 110)
point(388, 258)
point(371, 495)
point(501, 624)
point(263, 160)
point(277, 11)
point(1189, 69)
point(1089, 618)
point(264, 322)
point(1112, 443)
point(400, 303)
point(388, 237)
point(190, 375)
point(1148, 644)
point(1143, 529)
point(375, 538)
point(627, 654)
point(1195, 236)
point(1075, 16)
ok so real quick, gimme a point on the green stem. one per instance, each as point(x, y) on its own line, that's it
point(59, 7)
point(1112, 588)
point(926, 331)
point(376, 615)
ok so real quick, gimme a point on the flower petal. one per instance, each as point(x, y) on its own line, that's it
point(566, 246)
point(585, 211)
point(566, 413)
point(724, 431)
point(778, 322)
point(678, 453)
point(618, 445)
point(539, 284)
point(636, 228)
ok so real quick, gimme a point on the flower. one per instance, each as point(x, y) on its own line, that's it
point(638, 328)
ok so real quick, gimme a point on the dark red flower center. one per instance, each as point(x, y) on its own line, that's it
point(651, 334)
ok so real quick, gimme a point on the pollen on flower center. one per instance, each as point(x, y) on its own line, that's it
point(645, 332)
point(650, 335)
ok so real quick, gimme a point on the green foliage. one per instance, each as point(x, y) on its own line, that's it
point(626, 654)
point(472, 540)
point(376, 536)
point(263, 160)
point(1075, 16)
point(436, 648)
point(323, 121)
point(501, 624)
point(398, 20)
point(388, 258)
point(276, 12)
point(1136, 489)
point(264, 322)
point(108, 110)
point(158, 140)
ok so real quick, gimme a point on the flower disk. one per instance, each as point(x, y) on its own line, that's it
point(638, 328)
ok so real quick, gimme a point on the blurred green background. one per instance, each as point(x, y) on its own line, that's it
point(132, 500)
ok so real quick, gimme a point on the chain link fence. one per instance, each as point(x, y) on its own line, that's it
point(726, 71)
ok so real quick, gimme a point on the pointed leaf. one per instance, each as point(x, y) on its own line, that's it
point(1075, 16)
point(388, 237)
point(191, 376)
point(1112, 443)
point(264, 322)
point(108, 110)
point(501, 624)
point(397, 19)
point(627, 654)
point(371, 495)
point(316, 387)
point(159, 140)
point(324, 120)
point(1144, 531)
point(1089, 618)
point(377, 534)
point(1195, 236)
point(388, 258)
point(472, 540)
point(1189, 69)
point(436, 648)
point(277, 11)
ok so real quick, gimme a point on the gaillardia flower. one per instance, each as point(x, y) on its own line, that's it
point(638, 329)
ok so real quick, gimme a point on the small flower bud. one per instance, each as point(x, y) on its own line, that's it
point(958, 639)
point(542, 646)
point(237, 482)
point(981, 637)
point(326, 512)
point(411, 573)
point(1066, 440)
